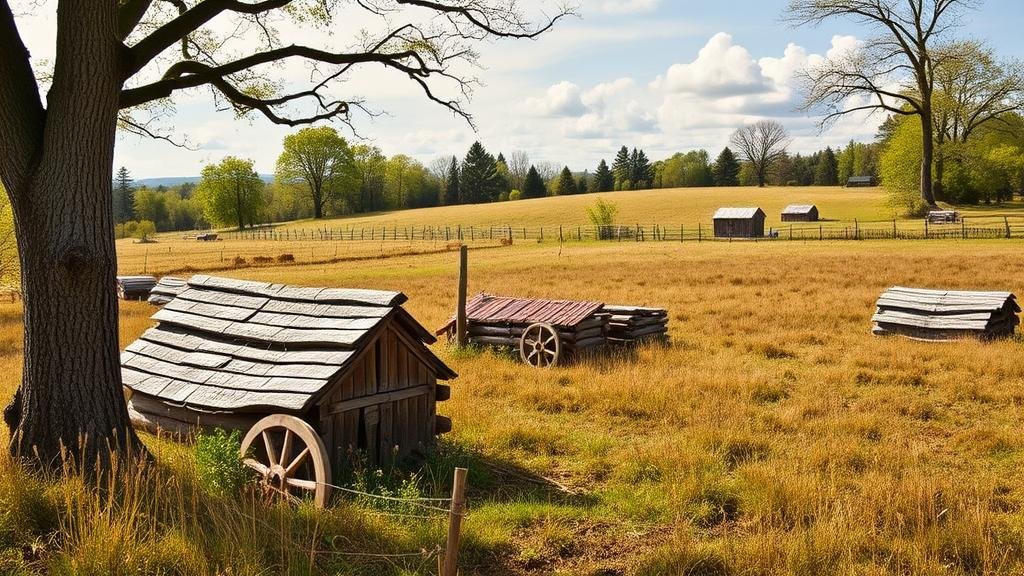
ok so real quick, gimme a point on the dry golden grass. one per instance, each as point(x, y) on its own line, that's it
point(775, 435)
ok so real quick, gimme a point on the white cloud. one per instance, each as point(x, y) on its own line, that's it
point(721, 68)
point(562, 99)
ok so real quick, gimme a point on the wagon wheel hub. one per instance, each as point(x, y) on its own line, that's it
point(290, 457)
point(540, 345)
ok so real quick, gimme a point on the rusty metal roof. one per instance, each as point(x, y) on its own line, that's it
point(502, 309)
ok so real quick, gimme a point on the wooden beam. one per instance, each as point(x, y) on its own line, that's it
point(376, 399)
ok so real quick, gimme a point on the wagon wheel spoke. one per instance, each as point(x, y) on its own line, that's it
point(290, 469)
point(549, 341)
point(286, 447)
point(309, 485)
point(256, 465)
point(269, 444)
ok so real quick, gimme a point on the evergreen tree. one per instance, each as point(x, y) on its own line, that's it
point(451, 189)
point(827, 171)
point(501, 159)
point(533, 185)
point(480, 181)
point(583, 184)
point(621, 169)
point(726, 170)
point(566, 183)
point(124, 196)
point(604, 179)
point(640, 170)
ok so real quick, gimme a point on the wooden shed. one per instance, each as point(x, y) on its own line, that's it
point(860, 181)
point(800, 213)
point(739, 223)
point(352, 364)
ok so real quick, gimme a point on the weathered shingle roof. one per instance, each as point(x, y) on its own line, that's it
point(798, 209)
point(234, 345)
point(504, 309)
point(736, 213)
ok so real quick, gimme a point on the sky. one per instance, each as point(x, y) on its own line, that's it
point(664, 75)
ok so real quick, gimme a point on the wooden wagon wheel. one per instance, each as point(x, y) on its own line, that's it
point(540, 345)
point(290, 457)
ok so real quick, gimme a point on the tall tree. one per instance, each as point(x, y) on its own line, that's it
point(640, 170)
point(518, 166)
point(903, 53)
point(112, 62)
point(369, 165)
point(123, 195)
point(480, 179)
point(452, 196)
point(762, 144)
point(826, 172)
point(566, 183)
point(583, 184)
point(319, 160)
point(726, 170)
point(604, 179)
point(533, 185)
point(230, 192)
point(622, 169)
point(972, 89)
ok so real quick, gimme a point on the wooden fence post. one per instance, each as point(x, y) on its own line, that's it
point(451, 549)
point(925, 228)
point(963, 227)
point(856, 229)
point(460, 312)
point(893, 228)
point(1006, 222)
point(698, 232)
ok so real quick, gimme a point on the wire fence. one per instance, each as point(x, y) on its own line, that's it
point(965, 228)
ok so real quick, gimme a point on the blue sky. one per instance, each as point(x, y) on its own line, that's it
point(663, 75)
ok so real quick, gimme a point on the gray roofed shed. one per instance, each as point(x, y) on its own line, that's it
point(800, 213)
point(739, 222)
point(227, 352)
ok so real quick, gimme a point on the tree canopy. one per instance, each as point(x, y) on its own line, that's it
point(231, 192)
point(319, 160)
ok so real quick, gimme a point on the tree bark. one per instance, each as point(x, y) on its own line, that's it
point(64, 220)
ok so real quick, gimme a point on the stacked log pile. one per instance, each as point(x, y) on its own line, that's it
point(635, 324)
point(134, 287)
point(165, 290)
point(501, 321)
point(946, 314)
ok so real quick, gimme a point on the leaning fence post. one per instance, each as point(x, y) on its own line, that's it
point(451, 550)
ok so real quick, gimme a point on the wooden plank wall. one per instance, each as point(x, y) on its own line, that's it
point(385, 404)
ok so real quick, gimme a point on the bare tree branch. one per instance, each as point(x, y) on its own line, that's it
point(21, 110)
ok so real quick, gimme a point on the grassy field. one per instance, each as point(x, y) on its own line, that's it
point(775, 435)
point(179, 253)
point(669, 207)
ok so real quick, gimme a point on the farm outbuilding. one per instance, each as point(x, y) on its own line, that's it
point(351, 364)
point(739, 223)
point(860, 181)
point(800, 213)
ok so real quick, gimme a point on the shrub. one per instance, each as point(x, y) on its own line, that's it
point(286, 258)
point(144, 229)
point(239, 261)
point(219, 462)
point(515, 195)
point(602, 215)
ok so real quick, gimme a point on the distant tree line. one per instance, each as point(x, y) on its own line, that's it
point(319, 174)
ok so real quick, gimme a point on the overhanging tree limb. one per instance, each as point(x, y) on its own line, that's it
point(21, 110)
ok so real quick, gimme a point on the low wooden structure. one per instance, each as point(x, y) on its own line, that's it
point(134, 287)
point(633, 324)
point(207, 237)
point(549, 332)
point(861, 182)
point(945, 314)
point(739, 223)
point(165, 290)
point(943, 217)
point(307, 371)
point(800, 213)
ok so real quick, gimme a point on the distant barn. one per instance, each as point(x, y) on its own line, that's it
point(860, 181)
point(739, 223)
point(800, 213)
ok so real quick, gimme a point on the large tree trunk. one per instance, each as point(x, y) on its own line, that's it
point(70, 395)
point(927, 157)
